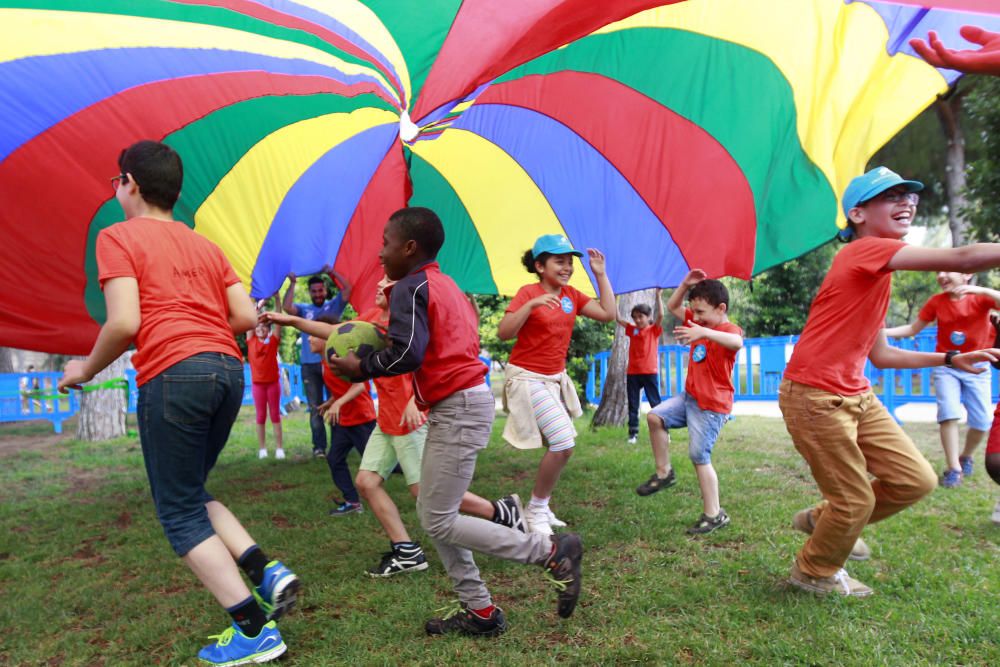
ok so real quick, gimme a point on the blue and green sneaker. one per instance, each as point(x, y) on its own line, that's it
point(278, 592)
point(233, 647)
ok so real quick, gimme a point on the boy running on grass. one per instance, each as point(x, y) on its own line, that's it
point(399, 437)
point(433, 334)
point(643, 360)
point(962, 312)
point(704, 405)
point(174, 294)
point(835, 420)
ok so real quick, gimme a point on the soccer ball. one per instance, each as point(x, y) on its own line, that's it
point(362, 338)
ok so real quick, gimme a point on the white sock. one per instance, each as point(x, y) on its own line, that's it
point(538, 502)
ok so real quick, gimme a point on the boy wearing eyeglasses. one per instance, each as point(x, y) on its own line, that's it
point(174, 294)
point(962, 312)
point(865, 466)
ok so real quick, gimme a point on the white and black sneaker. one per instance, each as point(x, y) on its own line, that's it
point(508, 511)
point(400, 560)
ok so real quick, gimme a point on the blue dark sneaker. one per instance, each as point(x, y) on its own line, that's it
point(233, 647)
point(951, 479)
point(966, 463)
point(345, 508)
point(278, 592)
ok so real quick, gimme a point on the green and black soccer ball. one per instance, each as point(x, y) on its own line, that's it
point(357, 336)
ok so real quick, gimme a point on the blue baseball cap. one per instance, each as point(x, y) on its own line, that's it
point(873, 183)
point(554, 244)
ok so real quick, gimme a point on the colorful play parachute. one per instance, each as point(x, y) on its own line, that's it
point(708, 133)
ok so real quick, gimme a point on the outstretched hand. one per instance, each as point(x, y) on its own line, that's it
point(689, 333)
point(597, 262)
point(274, 317)
point(967, 360)
point(985, 60)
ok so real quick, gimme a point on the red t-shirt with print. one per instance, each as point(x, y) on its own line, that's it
point(394, 391)
point(643, 358)
point(182, 278)
point(963, 324)
point(543, 341)
point(710, 370)
point(263, 359)
point(360, 410)
point(845, 319)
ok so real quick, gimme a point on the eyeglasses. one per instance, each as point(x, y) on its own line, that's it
point(118, 181)
point(896, 197)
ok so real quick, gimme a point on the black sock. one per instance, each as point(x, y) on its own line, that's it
point(406, 547)
point(248, 617)
point(253, 561)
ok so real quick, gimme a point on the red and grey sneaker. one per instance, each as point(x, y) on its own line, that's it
point(459, 619)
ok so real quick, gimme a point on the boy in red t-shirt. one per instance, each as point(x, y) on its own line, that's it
point(643, 360)
point(433, 335)
point(962, 312)
point(349, 410)
point(704, 405)
point(175, 295)
point(262, 355)
point(865, 466)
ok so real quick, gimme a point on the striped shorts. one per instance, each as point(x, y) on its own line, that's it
point(552, 419)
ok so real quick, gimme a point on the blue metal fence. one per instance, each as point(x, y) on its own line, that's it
point(33, 396)
point(761, 363)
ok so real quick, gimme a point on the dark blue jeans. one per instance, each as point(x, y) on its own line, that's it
point(185, 414)
point(312, 379)
point(633, 385)
point(342, 440)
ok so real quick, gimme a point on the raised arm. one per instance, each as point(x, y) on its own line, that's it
point(604, 309)
point(907, 330)
point(675, 304)
point(658, 307)
point(343, 283)
point(288, 303)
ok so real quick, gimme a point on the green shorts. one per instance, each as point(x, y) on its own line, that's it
point(383, 452)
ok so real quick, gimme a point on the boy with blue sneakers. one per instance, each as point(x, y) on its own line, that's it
point(175, 295)
point(707, 399)
point(962, 312)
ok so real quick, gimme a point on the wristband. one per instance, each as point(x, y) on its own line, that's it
point(948, 356)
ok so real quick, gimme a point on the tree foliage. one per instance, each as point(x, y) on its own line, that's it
point(777, 301)
point(983, 106)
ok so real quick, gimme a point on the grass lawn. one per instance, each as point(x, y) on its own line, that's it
point(87, 577)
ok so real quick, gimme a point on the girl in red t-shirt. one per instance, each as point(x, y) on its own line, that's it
point(537, 391)
point(262, 354)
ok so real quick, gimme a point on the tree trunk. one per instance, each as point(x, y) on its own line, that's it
point(6, 360)
point(949, 111)
point(613, 410)
point(102, 412)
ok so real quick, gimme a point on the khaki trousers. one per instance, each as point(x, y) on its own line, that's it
point(847, 440)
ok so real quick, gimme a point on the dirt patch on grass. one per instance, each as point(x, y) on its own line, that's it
point(12, 445)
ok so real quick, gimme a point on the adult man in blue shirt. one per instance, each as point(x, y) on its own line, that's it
point(321, 306)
